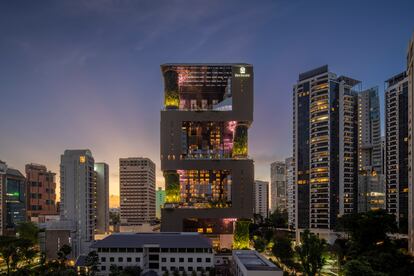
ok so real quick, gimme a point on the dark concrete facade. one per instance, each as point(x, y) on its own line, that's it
point(239, 79)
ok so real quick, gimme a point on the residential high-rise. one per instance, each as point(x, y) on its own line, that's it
point(204, 151)
point(77, 196)
point(278, 191)
point(324, 148)
point(137, 188)
point(410, 71)
point(290, 191)
point(159, 201)
point(41, 191)
point(261, 198)
point(102, 198)
point(371, 192)
point(396, 148)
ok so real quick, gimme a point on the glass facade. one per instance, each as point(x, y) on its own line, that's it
point(15, 201)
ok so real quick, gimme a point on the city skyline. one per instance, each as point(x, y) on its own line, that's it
point(99, 72)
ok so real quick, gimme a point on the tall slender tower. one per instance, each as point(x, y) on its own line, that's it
point(261, 198)
point(102, 198)
point(410, 71)
point(371, 193)
point(325, 148)
point(137, 188)
point(204, 152)
point(396, 148)
point(278, 191)
point(77, 196)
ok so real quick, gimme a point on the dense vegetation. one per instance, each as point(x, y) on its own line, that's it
point(366, 248)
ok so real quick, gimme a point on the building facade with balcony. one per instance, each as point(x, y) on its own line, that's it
point(324, 148)
point(396, 148)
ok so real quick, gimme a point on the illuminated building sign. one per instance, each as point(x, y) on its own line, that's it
point(242, 73)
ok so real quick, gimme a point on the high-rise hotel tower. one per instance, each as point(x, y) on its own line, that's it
point(204, 152)
point(324, 148)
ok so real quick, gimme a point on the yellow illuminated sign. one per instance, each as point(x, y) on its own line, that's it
point(82, 159)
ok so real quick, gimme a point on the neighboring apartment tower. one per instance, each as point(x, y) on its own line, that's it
point(410, 71)
point(41, 191)
point(261, 198)
point(102, 198)
point(278, 191)
point(159, 201)
point(137, 187)
point(3, 171)
point(371, 192)
point(290, 191)
point(324, 148)
point(209, 177)
point(13, 199)
point(77, 196)
point(396, 148)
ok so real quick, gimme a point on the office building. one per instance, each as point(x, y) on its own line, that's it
point(77, 197)
point(252, 263)
point(159, 201)
point(208, 175)
point(396, 148)
point(261, 198)
point(278, 191)
point(137, 190)
point(157, 252)
point(410, 72)
point(324, 148)
point(371, 191)
point(12, 199)
point(102, 198)
point(41, 191)
point(3, 171)
point(290, 191)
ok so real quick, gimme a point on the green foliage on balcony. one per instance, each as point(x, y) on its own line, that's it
point(240, 141)
point(241, 235)
point(171, 93)
point(172, 187)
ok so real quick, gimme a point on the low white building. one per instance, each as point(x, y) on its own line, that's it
point(156, 252)
point(251, 263)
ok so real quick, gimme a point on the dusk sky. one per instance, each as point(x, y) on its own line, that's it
point(86, 74)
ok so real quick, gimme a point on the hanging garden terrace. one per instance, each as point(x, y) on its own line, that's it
point(194, 87)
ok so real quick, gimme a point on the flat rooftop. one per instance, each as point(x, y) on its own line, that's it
point(206, 64)
point(161, 240)
point(252, 260)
